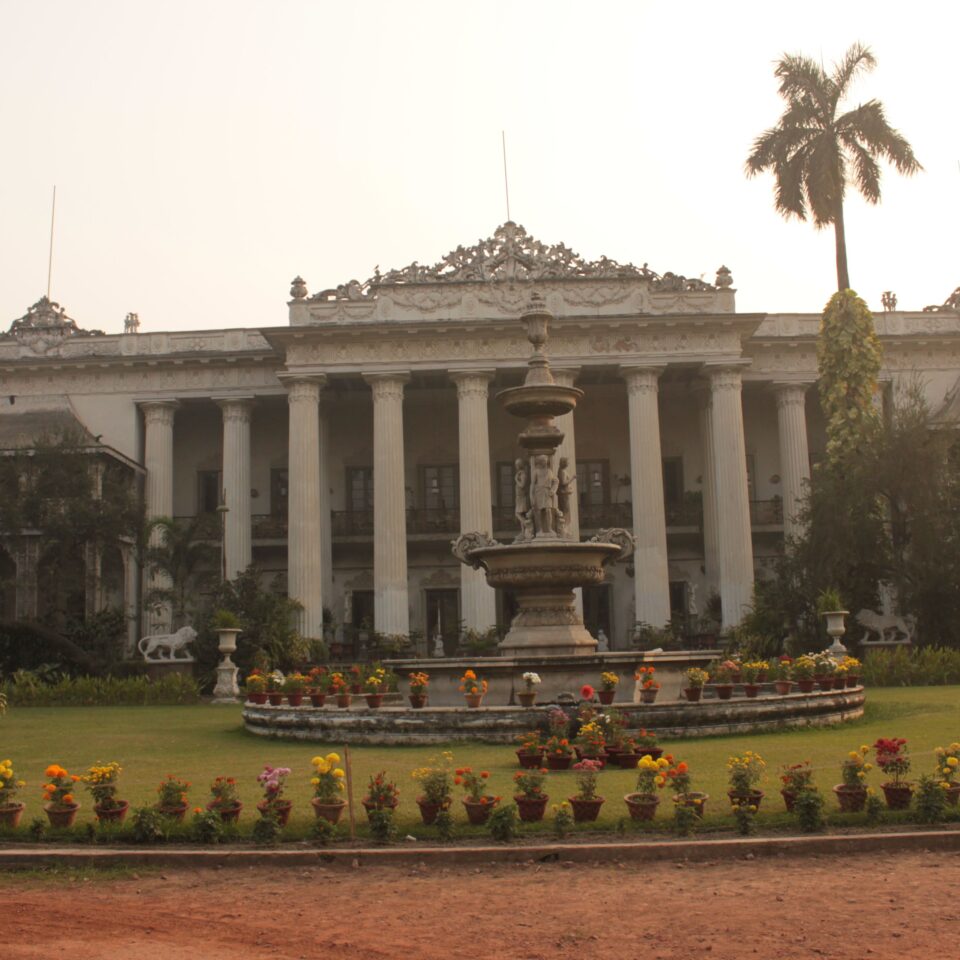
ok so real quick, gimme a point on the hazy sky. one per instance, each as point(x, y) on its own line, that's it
point(207, 152)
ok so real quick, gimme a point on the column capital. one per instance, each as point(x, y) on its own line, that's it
point(303, 388)
point(725, 374)
point(159, 411)
point(565, 376)
point(387, 384)
point(791, 392)
point(235, 408)
point(471, 383)
point(642, 377)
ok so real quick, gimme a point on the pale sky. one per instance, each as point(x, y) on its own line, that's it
point(207, 152)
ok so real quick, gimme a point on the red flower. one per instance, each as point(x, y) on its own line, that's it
point(586, 692)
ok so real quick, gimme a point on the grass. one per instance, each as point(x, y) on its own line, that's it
point(199, 742)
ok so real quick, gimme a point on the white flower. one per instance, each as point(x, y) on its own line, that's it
point(531, 678)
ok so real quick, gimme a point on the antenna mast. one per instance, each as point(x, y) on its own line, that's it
point(506, 186)
point(53, 211)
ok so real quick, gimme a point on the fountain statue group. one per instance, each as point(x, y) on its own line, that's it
point(542, 498)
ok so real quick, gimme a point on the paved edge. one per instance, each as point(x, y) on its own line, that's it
point(410, 854)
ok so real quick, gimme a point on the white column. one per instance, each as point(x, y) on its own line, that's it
point(236, 483)
point(734, 542)
point(129, 557)
point(326, 524)
point(794, 452)
point(566, 377)
point(391, 611)
point(651, 581)
point(708, 487)
point(478, 602)
point(158, 490)
point(304, 559)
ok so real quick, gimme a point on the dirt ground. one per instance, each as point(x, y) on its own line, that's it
point(869, 906)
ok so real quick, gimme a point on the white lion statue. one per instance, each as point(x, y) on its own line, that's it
point(173, 643)
point(887, 626)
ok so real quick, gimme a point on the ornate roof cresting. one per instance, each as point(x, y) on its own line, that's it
point(951, 303)
point(511, 254)
point(44, 326)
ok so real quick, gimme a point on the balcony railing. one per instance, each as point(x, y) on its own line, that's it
point(443, 520)
point(268, 527)
point(766, 513)
point(352, 523)
point(597, 516)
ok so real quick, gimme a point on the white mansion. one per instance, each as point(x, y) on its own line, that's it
point(350, 446)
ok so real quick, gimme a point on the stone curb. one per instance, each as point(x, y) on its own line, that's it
point(410, 855)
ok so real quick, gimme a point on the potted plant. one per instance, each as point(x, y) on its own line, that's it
point(679, 777)
point(851, 792)
point(274, 803)
point(436, 784)
point(751, 672)
point(101, 780)
point(373, 686)
point(744, 772)
point(530, 751)
point(227, 626)
point(225, 800)
point(590, 743)
point(274, 689)
point(419, 682)
point(612, 725)
point(528, 695)
point(478, 803)
point(651, 776)
point(646, 741)
point(327, 783)
point(783, 675)
point(382, 794)
point(585, 802)
point(355, 678)
point(529, 797)
point(948, 769)
point(852, 668)
point(61, 807)
point(831, 608)
point(894, 760)
point(317, 681)
point(340, 688)
point(695, 678)
point(587, 693)
point(294, 686)
point(256, 687)
point(803, 669)
point(11, 809)
point(172, 800)
point(608, 687)
point(472, 688)
point(723, 675)
point(796, 778)
point(649, 688)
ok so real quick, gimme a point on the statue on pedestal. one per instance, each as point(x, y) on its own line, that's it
point(565, 484)
point(545, 485)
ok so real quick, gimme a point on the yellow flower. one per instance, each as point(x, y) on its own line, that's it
point(323, 766)
point(316, 761)
point(854, 755)
point(868, 766)
point(338, 773)
point(315, 780)
point(864, 749)
point(953, 762)
point(333, 758)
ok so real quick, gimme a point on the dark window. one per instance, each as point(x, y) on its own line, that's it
point(678, 599)
point(441, 487)
point(596, 610)
point(506, 488)
point(361, 609)
point(209, 491)
point(751, 477)
point(673, 481)
point(359, 489)
point(279, 492)
point(443, 616)
point(593, 482)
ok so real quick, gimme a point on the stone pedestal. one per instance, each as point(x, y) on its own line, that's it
point(226, 689)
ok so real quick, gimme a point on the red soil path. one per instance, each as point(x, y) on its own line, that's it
point(868, 907)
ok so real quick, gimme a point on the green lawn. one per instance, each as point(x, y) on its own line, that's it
point(200, 742)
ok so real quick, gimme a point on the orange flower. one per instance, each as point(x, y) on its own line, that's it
point(484, 774)
point(682, 767)
point(75, 778)
point(68, 798)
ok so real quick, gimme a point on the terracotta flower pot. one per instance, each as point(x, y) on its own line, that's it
point(851, 799)
point(840, 683)
point(473, 699)
point(750, 799)
point(343, 700)
point(585, 811)
point(62, 816)
point(806, 685)
point(751, 690)
point(280, 808)
point(530, 761)
point(724, 691)
point(853, 680)
point(328, 811)
point(825, 683)
point(175, 813)
point(478, 811)
point(294, 699)
point(318, 699)
point(429, 809)
point(531, 809)
point(952, 795)
point(526, 699)
point(627, 761)
point(783, 687)
point(693, 694)
point(374, 700)
point(276, 699)
point(696, 801)
point(257, 697)
point(642, 806)
point(356, 688)
point(559, 761)
point(112, 814)
point(606, 697)
point(418, 700)
point(654, 753)
point(10, 814)
point(789, 799)
point(227, 814)
point(649, 696)
point(897, 795)
point(370, 807)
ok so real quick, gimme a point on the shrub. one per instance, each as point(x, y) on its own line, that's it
point(382, 828)
point(808, 806)
point(912, 667)
point(148, 826)
point(503, 823)
point(444, 825)
point(206, 826)
point(267, 829)
point(24, 691)
point(685, 820)
point(322, 833)
point(930, 802)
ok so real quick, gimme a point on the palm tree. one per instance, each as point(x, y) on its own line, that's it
point(813, 151)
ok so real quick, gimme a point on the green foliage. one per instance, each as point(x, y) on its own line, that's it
point(744, 819)
point(912, 667)
point(382, 828)
point(267, 830)
point(504, 823)
point(562, 820)
point(685, 820)
point(225, 620)
point(930, 802)
point(182, 559)
point(207, 827)
point(808, 807)
point(24, 691)
point(37, 829)
point(874, 809)
point(444, 825)
point(322, 832)
point(148, 825)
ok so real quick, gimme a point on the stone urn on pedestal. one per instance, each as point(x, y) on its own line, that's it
point(228, 628)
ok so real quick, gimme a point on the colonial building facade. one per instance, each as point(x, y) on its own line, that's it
point(350, 446)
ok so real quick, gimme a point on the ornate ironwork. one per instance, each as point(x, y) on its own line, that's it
point(511, 254)
point(951, 303)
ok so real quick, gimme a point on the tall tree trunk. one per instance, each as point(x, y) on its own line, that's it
point(843, 277)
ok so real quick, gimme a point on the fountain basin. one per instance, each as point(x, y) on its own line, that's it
point(535, 401)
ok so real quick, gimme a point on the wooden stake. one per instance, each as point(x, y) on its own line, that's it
point(349, 771)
